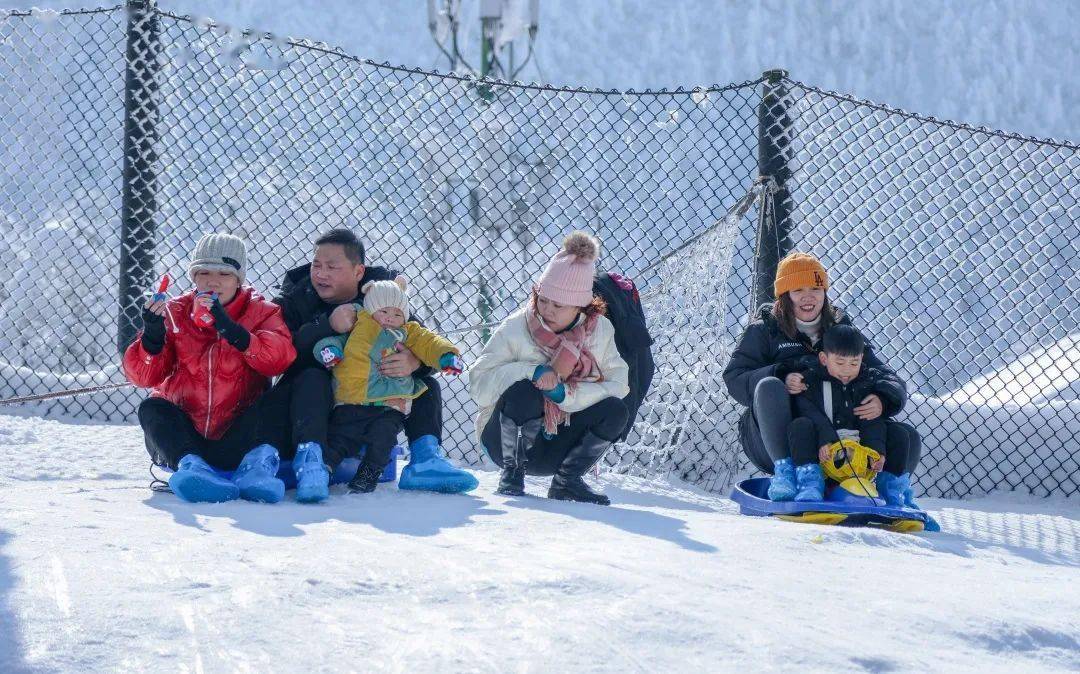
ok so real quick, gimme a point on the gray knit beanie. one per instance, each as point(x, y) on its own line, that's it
point(219, 252)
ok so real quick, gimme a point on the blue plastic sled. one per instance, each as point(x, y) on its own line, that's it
point(344, 472)
point(752, 497)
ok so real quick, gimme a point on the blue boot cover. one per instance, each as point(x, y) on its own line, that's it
point(782, 484)
point(811, 483)
point(890, 487)
point(909, 502)
point(312, 477)
point(429, 470)
point(256, 476)
point(195, 481)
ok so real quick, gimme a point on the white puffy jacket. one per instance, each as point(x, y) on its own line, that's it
point(511, 355)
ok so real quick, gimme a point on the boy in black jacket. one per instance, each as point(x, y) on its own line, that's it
point(837, 382)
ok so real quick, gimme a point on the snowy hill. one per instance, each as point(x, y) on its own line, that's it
point(1000, 63)
point(97, 573)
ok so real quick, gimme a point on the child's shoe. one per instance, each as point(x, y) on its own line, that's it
point(366, 479)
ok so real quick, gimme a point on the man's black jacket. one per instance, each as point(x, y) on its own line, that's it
point(308, 316)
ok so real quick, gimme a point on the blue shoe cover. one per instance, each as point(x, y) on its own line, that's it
point(909, 501)
point(195, 481)
point(906, 493)
point(312, 477)
point(811, 483)
point(890, 487)
point(429, 470)
point(782, 484)
point(255, 476)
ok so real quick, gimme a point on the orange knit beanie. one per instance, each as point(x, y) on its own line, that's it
point(799, 270)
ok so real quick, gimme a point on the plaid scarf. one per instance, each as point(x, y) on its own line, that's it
point(568, 356)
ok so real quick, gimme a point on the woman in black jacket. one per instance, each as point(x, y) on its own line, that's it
point(763, 372)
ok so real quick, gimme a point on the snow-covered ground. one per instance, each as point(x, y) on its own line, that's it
point(98, 573)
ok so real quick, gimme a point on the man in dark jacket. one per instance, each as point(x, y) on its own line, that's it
point(318, 300)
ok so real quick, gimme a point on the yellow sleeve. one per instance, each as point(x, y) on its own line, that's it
point(364, 332)
point(426, 345)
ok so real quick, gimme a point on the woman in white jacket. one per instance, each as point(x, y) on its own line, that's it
point(550, 381)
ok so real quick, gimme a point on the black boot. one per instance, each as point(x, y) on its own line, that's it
point(567, 484)
point(365, 480)
point(516, 442)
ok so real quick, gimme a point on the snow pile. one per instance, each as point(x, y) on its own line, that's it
point(98, 573)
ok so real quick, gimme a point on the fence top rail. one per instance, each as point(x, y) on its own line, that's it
point(36, 11)
point(930, 119)
point(322, 47)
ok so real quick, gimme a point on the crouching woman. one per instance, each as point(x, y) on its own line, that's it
point(550, 381)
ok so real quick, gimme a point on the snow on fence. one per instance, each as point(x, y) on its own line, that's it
point(127, 132)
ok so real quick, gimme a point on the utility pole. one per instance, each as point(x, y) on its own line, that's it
point(501, 22)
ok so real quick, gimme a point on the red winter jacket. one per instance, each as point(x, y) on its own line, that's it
point(203, 374)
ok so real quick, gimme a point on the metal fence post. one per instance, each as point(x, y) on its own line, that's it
point(775, 134)
point(139, 190)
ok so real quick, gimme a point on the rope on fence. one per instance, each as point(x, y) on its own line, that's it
point(67, 393)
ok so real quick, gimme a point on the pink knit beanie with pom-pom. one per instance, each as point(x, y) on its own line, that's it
point(568, 278)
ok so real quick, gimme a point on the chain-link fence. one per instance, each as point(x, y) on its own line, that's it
point(126, 134)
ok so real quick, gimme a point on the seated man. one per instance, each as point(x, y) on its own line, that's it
point(318, 301)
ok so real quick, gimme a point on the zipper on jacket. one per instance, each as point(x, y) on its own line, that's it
point(209, 388)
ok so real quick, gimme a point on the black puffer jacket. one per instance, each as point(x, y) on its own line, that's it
point(308, 316)
point(845, 398)
point(765, 351)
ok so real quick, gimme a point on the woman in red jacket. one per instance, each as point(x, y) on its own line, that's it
point(209, 356)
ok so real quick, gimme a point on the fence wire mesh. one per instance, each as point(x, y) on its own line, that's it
point(126, 135)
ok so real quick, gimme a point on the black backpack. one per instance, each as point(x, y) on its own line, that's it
point(632, 337)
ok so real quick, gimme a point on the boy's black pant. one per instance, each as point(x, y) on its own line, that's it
point(298, 409)
point(899, 457)
point(524, 402)
point(170, 434)
point(356, 426)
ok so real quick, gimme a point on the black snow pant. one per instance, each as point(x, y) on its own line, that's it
point(170, 434)
point(763, 430)
point(298, 410)
point(353, 427)
point(524, 402)
point(804, 443)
